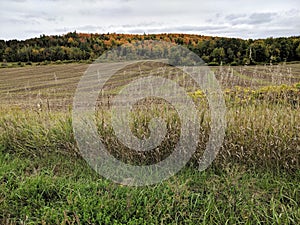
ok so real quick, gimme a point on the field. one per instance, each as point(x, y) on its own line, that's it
point(254, 179)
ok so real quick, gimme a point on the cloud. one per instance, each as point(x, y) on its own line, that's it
point(24, 18)
point(233, 17)
point(259, 18)
point(250, 19)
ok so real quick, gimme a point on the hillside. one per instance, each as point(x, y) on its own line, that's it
point(213, 50)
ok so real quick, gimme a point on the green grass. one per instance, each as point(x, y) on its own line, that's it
point(61, 190)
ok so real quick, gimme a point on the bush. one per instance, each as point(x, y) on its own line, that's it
point(3, 64)
point(45, 62)
point(69, 61)
point(213, 64)
point(21, 64)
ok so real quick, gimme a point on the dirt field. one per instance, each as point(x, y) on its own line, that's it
point(53, 86)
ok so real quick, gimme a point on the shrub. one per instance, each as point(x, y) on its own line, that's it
point(45, 62)
point(213, 64)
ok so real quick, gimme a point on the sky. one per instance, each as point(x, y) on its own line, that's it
point(23, 19)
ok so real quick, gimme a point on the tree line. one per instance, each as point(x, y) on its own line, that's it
point(213, 50)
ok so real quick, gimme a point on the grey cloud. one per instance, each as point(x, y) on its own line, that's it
point(259, 18)
point(15, 21)
point(32, 19)
point(233, 17)
point(250, 19)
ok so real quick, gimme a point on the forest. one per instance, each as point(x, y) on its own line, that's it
point(75, 46)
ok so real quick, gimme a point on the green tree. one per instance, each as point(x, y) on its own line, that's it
point(230, 55)
point(298, 51)
point(218, 55)
point(259, 52)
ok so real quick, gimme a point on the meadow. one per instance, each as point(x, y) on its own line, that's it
point(254, 179)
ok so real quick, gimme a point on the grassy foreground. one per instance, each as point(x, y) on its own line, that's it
point(254, 179)
point(57, 189)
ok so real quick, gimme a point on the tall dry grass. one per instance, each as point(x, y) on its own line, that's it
point(263, 130)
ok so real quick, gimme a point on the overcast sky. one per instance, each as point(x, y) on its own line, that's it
point(22, 19)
